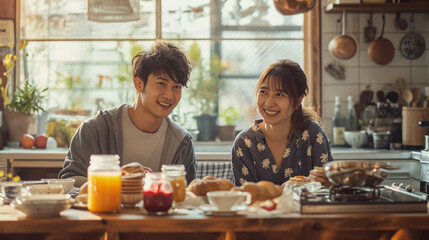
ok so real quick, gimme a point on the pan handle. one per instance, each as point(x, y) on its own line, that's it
point(424, 123)
point(390, 167)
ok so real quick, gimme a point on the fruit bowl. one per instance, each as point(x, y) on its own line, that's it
point(356, 139)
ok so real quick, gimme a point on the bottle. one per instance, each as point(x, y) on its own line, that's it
point(351, 119)
point(176, 175)
point(104, 183)
point(338, 125)
point(157, 194)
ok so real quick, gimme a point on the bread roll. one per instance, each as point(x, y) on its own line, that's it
point(319, 168)
point(253, 189)
point(261, 191)
point(297, 180)
point(209, 184)
point(84, 188)
point(272, 190)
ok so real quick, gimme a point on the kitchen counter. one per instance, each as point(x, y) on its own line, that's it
point(132, 223)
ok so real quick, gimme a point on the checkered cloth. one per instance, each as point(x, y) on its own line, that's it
point(218, 169)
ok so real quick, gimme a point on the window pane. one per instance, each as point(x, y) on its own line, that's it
point(186, 19)
point(77, 73)
point(65, 19)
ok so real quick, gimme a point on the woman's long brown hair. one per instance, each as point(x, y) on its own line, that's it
point(288, 77)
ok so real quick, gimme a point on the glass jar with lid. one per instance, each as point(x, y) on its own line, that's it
point(157, 193)
point(176, 175)
point(104, 183)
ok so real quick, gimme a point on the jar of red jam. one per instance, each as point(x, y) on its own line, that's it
point(157, 193)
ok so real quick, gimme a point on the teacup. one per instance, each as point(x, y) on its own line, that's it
point(11, 190)
point(226, 200)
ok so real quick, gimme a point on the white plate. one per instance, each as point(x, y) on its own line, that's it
point(213, 211)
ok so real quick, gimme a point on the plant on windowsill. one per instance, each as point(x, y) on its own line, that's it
point(228, 117)
point(25, 102)
point(204, 87)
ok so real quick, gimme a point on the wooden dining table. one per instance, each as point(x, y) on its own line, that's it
point(134, 223)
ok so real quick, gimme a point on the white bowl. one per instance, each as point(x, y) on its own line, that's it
point(43, 205)
point(45, 189)
point(131, 199)
point(356, 139)
point(225, 200)
point(67, 183)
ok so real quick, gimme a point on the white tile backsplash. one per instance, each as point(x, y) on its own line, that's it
point(360, 70)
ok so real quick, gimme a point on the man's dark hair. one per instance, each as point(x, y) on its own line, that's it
point(162, 57)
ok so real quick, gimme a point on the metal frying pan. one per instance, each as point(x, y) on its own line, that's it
point(381, 50)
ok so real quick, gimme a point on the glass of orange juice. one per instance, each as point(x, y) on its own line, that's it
point(104, 183)
point(176, 175)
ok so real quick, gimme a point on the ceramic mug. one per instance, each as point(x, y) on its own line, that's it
point(226, 200)
point(11, 190)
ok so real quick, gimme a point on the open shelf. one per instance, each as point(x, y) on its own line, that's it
point(378, 7)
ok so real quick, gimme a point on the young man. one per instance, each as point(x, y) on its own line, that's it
point(141, 132)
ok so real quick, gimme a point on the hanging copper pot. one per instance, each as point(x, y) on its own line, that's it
point(381, 50)
point(343, 46)
point(291, 7)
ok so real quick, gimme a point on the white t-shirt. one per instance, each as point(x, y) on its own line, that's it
point(141, 147)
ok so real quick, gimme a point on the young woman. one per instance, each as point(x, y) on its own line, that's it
point(287, 141)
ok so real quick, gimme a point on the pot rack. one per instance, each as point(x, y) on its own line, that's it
point(377, 7)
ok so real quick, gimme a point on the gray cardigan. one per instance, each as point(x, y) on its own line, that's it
point(102, 134)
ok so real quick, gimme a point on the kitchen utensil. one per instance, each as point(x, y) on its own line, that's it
point(392, 97)
point(381, 50)
point(370, 30)
point(413, 45)
point(400, 23)
point(366, 97)
point(357, 173)
point(291, 7)
point(380, 96)
point(358, 109)
point(408, 97)
point(399, 86)
point(344, 46)
point(417, 94)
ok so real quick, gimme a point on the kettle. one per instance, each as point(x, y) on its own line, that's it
point(291, 7)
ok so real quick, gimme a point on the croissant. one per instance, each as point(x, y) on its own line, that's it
point(209, 184)
point(261, 191)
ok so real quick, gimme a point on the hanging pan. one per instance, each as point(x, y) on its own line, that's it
point(381, 50)
point(413, 45)
point(344, 46)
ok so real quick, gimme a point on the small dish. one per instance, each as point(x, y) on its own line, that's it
point(67, 183)
point(42, 205)
point(45, 189)
point(213, 211)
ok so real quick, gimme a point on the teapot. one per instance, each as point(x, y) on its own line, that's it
point(291, 7)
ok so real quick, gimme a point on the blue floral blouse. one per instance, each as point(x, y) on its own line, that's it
point(252, 160)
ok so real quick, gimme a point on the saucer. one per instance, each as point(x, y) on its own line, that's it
point(213, 211)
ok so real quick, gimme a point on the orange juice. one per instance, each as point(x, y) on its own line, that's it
point(104, 191)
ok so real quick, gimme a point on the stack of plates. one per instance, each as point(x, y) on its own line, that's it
point(132, 189)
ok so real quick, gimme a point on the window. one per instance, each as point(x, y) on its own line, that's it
point(86, 64)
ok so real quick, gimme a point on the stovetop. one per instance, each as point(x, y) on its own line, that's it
point(357, 200)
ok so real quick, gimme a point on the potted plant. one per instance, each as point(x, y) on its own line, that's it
point(228, 116)
point(203, 91)
point(19, 112)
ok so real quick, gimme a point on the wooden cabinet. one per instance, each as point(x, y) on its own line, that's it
point(378, 7)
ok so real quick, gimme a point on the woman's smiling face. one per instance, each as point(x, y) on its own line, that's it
point(274, 104)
